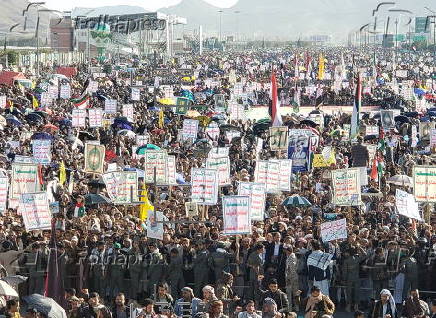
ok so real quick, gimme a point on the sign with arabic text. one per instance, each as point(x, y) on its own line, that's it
point(204, 184)
point(346, 187)
point(424, 183)
point(236, 215)
point(334, 230)
point(257, 194)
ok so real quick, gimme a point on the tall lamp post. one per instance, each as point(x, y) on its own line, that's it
point(221, 14)
point(434, 34)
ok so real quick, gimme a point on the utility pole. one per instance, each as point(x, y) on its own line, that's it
point(220, 34)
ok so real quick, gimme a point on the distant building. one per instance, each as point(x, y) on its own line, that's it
point(62, 34)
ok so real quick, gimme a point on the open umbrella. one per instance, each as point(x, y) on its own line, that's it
point(45, 305)
point(126, 132)
point(33, 118)
point(122, 123)
point(401, 180)
point(296, 200)
point(402, 119)
point(141, 150)
point(308, 122)
point(50, 127)
point(7, 290)
point(42, 136)
point(14, 280)
point(229, 127)
point(92, 198)
point(12, 120)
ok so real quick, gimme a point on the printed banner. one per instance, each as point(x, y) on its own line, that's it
point(155, 160)
point(218, 152)
point(41, 151)
point(406, 204)
point(268, 173)
point(222, 165)
point(257, 194)
point(35, 210)
point(155, 227)
point(334, 230)
point(4, 185)
point(346, 187)
point(24, 179)
point(182, 105)
point(65, 92)
point(128, 112)
point(204, 186)
point(212, 131)
point(424, 183)
point(190, 129)
point(94, 158)
point(285, 168)
point(171, 166)
point(191, 209)
point(372, 130)
point(79, 117)
point(95, 116)
point(236, 215)
point(135, 94)
point(299, 149)
point(278, 138)
point(110, 106)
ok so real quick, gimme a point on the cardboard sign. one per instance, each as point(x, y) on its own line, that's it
point(41, 151)
point(278, 138)
point(95, 117)
point(424, 183)
point(79, 117)
point(372, 131)
point(171, 173)
point(155, 160)
point(334, 230)
point(346, 187)
point(35, 210)
point(236, 215)
point(94, 158)
point(110, 106)
point(222, 165)
point(257, 194)
point(204, 186)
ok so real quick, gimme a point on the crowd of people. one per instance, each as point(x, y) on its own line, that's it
point(108, 265)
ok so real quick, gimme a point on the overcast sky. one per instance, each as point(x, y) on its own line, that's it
point(67, 5)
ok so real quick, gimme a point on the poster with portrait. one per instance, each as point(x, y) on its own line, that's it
point(387, 119)
point(284, 96)
point(191, 209)
point(94, 158)
point(299, 150)
point(425, 130)
point(155, 227)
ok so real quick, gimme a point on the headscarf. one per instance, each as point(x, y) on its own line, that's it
point(390, 299)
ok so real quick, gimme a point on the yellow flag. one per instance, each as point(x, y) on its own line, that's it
point(145, 208)
point(321, 67)
point(62, 173)
point(35, 102)
point(161, 119)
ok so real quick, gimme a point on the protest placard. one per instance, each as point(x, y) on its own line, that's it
point(236, 215)
point(346, 187)
point(95, 117)
point(237, 111)
point(110, 179)
point(155, 227)
point(204, 186)
point(92, 87)
point(65, 92)
point(212, 131)
point(127, 187)
point(406, 204)
point(79, 117)
point(2, 101)
point(424, 183)
point(136, 94)
point(182, 105)
point(285, 168)
point(53, 90)
point(128, 112)
point(94, 158)
point(155, 164)
point(142, 140)
point(4, 185)
point(23, 159)
point(222, 165)
point(190, 129)
point(432, 137)
point(278, 138)
point(171, 167)
point(41, 151)
point(257, 194)
point(24, 179)
point(218, 152)
point(231, 134)
point(110, 106)
point(387, 119)
point(425, 129)
point(267, 172)
point(334, 230)
point(35, 211)
point(220, 103)
point(299, 149)
point(191, 209)
point(372, 130)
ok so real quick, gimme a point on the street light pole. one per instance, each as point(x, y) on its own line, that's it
point(220, 12)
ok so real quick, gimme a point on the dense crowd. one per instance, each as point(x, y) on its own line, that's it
point(385, 267)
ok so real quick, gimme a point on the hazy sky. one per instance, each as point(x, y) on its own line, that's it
point(66, 5)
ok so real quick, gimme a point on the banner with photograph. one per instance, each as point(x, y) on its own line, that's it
point(191, 209)
point(204, 186)
point(387, 119)
point(346, 187)
point(299, 149)
point(155, 227)
point(41, 151)
point(222, 165)
point(424, 183)
point(257, 193)
point(94, 158)
point(35, 210)
point(236, 215)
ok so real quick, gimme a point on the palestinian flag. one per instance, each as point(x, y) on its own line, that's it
point(81, 102)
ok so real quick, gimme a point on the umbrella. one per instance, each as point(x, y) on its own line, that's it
point(45, 305)
point(7, 290)
point(40, 113)
point(402, 119)
point(73, 139)
point(122, 123)
point(192, 114)
point(370, 137)
point(296, 200)
point(411, 114)
point(316, 112)
point(85, 135)
point(34, 118)
point(308, 122)
point(42, 136)
point(401, 180)
point(12, 120)
point(126, 132)
point(14, 280)
point(229, 127)
point(141, 150)
point(51, 127)
point(419, 91)
point(261, 126)
point(65, 123)
point(92, 198)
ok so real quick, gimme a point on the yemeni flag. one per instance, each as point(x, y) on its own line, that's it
point(356, 108)
point(276, 118)
point(377, 168)
point(81, 102)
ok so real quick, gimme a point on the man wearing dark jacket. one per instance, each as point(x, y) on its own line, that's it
point(120, 310)
point(95, 309)
point(274, 293)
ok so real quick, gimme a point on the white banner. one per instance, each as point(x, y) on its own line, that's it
point(257, 194)
point(285, 175)
point(346, 187)
point(171, 167)
point(41, 151)
point(135, 94)
point(424, 183)
point(334, 230)
point(267, 172)
point(95, 116)
point(35, 210)
point(190, 129)
point(128, 112)
point(406, 204)
point(65, 92)
point(155, 160)
point(4, 185)
point(236, 215)
point(110, 106)
point(79, 117)
point(372, 130)
point(218, 152)
point(204, 186)
point(24, 180)
point(222, 165)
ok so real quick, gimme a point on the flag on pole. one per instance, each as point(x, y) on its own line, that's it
point(35, 103)
point(62, 173)
point(321, 67)
point(161, 119)
point(145, 208)
point(356, 108)
point(81, 102)
point(276, 118)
